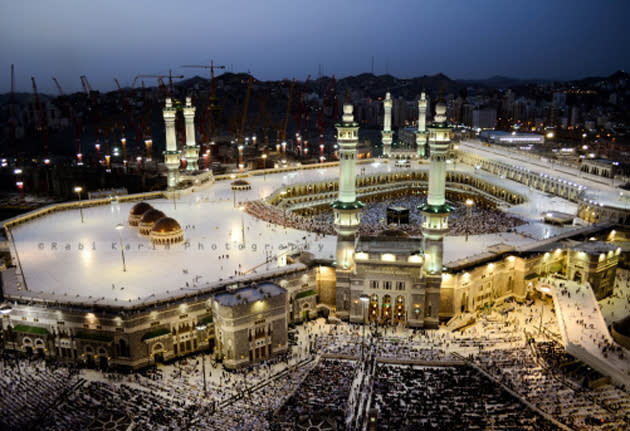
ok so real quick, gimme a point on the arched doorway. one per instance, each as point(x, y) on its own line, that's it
point(373, 310)
point(386, 309)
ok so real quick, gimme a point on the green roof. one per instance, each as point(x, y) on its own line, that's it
point(338, 205)
point(157, 333)
point(531, 276)
point(305, 294)
point(94, 336)
point(436, 209)
point(207, 319)
point(30, 329)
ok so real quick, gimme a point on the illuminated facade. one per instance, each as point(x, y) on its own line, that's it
point(347, 208)
point(387, 125)
point(422, 134)
point(435, 217)
point(171, 155)
point(191, 150)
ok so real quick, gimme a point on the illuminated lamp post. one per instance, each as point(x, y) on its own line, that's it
point(364, 301)
point(545, 290)
point(78, 191)
point(19, 183)
point(242, 209)
point(108, 160)
point(123, 141)
point(469, 204)
point(202, 327)
point(283, 193)
point(139, 162)
point(79, 159)
point(119, 228)
point(149, 144)
point(284, 152)
point(264, 158)
point(241, 165)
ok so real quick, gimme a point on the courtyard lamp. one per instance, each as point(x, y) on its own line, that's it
point(119, 228)
point(202, 327)
point(364, 298)
point(545, 290)
point(78, 191)
point(469, 203)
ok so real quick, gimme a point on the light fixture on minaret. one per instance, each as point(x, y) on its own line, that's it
point(191, 150)
point(435, 215)
point(387, 125)
point(422, 134)
point(171, 155)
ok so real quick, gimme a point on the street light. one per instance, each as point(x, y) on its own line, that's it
point(469, 203)
point(264, 157)
point(283, 193)
point(364, 298)
point(203, 327)
point(78, 191)
point(242, 209)
point(546, 290)
point(119, 228)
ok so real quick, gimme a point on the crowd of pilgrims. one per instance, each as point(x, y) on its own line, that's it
point(475, 220)
point(447, 398)
point(529, 371)
point(320, 374)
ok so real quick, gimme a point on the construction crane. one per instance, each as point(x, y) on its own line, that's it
point(12, 120)
point(331, 93)
point(75, 121)
point(58, 86)
point(42, 118)
point(160, 79)
point(96, 113)
point(299, 116)
point(127, 110)
point(285, 124)
point(244, 113)
point(212, 67)
point(211, 112)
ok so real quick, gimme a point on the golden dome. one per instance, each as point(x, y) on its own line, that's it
point(140, 208)
point(165, 225)
point(152, 216)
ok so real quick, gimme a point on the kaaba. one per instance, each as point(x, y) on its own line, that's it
point(397, 215)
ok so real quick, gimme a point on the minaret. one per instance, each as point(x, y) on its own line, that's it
point(387, 125)
point(347, 208)
point(422, 134)
point(435, 216)
point(191, 151)
point(171, 155)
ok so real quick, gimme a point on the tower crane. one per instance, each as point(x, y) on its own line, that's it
point(96, 116)
point(331, 93)
point(285, 124)
point(211, 113)
point(75, 121)
point(12, 120)
point(244, 113)
point(42, 118)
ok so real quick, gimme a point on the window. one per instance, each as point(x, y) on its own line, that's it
point(373, 284)
point(387, 285)
point(400, 285)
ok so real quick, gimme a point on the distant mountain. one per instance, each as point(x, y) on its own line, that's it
point(501, 82)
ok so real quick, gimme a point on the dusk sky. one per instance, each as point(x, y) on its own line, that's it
point(276, 39)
